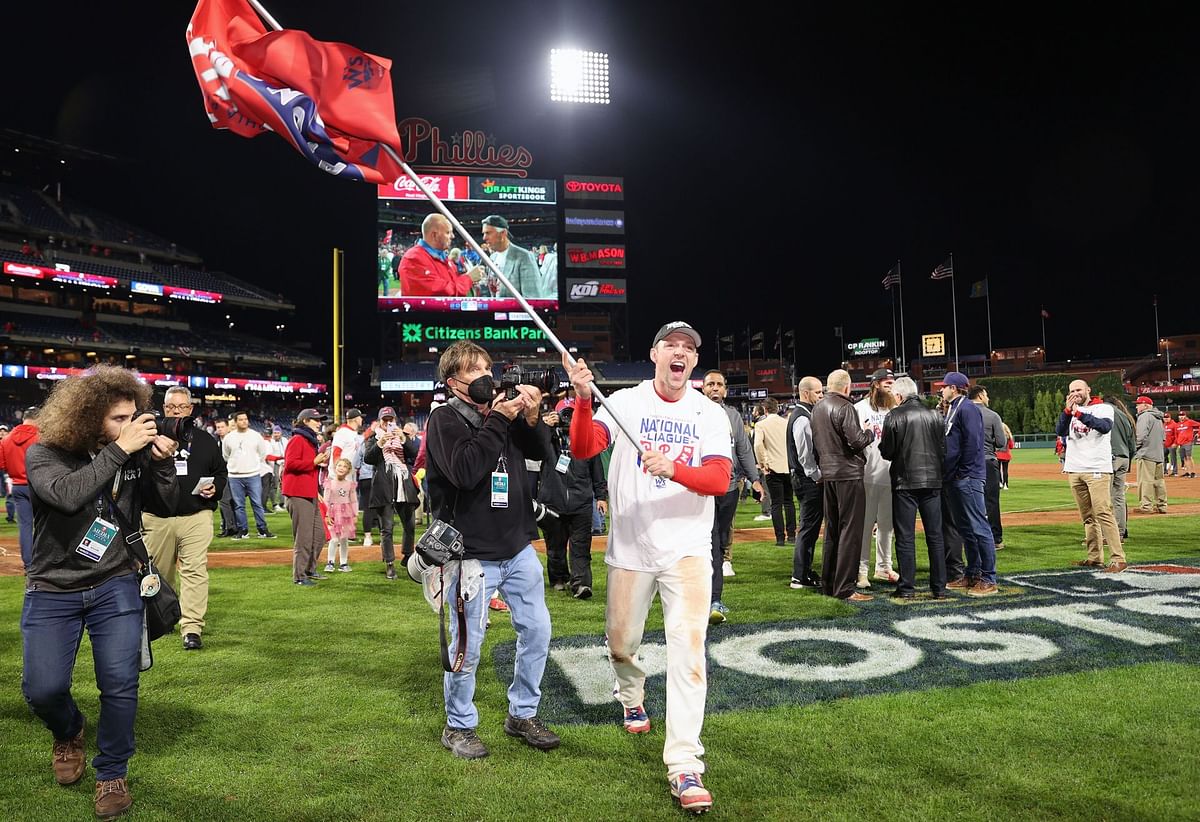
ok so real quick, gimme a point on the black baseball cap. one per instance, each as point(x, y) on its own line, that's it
point(311, 414)
point(496, 221)
point(677, 326)
point(352, 413)
point(883, 374)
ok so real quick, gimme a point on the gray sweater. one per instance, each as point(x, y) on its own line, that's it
point(1149, 435)
point(69, 491)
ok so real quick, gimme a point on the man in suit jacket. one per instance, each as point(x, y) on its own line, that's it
point(518, 264)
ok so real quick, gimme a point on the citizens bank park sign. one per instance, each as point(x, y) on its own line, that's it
point(1043, 624)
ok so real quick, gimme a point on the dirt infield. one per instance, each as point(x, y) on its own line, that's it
point(10, 558)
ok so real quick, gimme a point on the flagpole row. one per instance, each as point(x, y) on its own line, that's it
point(903, 343)
point(954, 309)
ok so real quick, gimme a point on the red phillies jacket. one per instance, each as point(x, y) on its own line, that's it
point(12, 452)
point(299, 478)
point(1185, 431)
point(1169, 428)
point(423, 275)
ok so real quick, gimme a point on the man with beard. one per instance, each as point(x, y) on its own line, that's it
point(660, 541)
point(726, 506)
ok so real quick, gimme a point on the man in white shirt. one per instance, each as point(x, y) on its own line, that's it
point(244, 451)
point(661, 494)
point(1087, 426)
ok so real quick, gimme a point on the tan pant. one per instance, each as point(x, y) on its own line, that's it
point(1152, 488)
point(179, 547)
point(1093, 495)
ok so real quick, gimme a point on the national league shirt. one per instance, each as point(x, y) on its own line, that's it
point(656, 521)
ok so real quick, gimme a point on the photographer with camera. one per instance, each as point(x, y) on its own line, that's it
point(476, 449)
point(98, 462)
point(567, 488)
point(181, 533)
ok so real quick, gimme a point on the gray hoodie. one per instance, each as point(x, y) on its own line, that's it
point(1149, 435)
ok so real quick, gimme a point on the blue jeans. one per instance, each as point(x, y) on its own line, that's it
point(52, 626)
point(520, 580)
point(20, 497)
point(239, 487)
point(970, 518)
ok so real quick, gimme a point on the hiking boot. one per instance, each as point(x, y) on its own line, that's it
point(463, 743)
point(636, 721)
point(716, 614)
point(1115, 567)
point(691, 793)
point(958, 584)
point(112, 798)
point(533, 731)
point(69, 759)
point(983, 589)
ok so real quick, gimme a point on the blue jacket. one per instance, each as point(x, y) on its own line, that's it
point(964, 442)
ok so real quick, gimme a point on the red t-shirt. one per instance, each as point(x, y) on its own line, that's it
point(423, 275)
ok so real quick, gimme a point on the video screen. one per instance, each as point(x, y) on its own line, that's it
point(431, 272)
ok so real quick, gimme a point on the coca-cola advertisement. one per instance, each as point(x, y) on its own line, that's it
point(424, 264)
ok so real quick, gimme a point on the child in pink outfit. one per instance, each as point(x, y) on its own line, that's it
point(341, 512)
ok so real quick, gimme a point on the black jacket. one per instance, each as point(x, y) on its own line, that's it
point(203, 458)
point(839, 439)
point(914, 439)
point(385, 479)
point(462, 450)
point(572, 492)
point(68, 489)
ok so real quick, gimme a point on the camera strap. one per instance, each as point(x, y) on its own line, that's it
point(460, 610)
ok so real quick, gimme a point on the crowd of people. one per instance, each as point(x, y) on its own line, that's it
point(89, 468)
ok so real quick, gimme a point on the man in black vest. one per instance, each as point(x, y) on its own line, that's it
point(802, 463)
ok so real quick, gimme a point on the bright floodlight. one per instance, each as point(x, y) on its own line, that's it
point(578, 76)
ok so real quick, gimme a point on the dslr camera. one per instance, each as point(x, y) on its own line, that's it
point(543, 379)
point(175, 428)
point(440, 544)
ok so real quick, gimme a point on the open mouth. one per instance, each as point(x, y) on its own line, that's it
point(677, 368)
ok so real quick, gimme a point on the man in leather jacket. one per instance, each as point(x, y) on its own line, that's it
point(914, 440)
point(839, 442)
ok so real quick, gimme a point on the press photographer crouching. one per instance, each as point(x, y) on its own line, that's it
point(476, 448)
point(97, 464)
point(568, 486)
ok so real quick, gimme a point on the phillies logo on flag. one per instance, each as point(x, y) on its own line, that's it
point(331, 101)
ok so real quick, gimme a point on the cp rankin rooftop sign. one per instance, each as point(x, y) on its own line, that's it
point(470, 150)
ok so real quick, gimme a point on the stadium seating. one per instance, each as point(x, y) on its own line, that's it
point(33, 209)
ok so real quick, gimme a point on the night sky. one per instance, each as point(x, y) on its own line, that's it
point(777, 164)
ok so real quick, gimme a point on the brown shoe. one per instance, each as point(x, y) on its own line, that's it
point(68, 759)
point(982, 589)
point(1088, 563)
point(857, 597)
point(960, 583)
point(1115, 567)
point(112, 798)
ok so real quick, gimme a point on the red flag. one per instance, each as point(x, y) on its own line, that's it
point(331, 101)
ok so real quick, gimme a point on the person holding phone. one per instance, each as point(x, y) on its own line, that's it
point(178, 536)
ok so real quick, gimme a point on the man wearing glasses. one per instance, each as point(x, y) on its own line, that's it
point(183, 533)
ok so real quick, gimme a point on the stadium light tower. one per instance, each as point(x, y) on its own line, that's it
point(578, 76)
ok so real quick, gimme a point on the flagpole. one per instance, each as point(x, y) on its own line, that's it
point(337, 336)
point(1043, 332)
point(954, 308)
point(987, 293)
point(903, 344)
point(893, 319)
point(487, 261)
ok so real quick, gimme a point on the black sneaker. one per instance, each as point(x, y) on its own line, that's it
point(317, 576)
point(533, 731)
point(463, 743)
point(266, 535)
point(583, 592)
point(191, 642)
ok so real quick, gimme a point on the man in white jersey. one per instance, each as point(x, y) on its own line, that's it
point(1087, 425)
point(661, 500)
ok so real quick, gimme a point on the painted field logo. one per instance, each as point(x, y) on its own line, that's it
point(1061, 622)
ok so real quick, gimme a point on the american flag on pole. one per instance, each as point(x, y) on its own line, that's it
point(943, 271)
point(892, 278)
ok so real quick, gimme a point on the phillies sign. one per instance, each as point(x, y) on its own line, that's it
point(580, 187)
point(595, 291)
point(468, 150)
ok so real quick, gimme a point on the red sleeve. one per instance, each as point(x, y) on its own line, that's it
point(588, 437)
point(413, 282)
point(710, 480)
point(336, 455)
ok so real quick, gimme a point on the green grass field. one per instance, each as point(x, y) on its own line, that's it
point(325, 704)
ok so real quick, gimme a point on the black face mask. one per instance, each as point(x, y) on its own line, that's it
point(481, 390)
